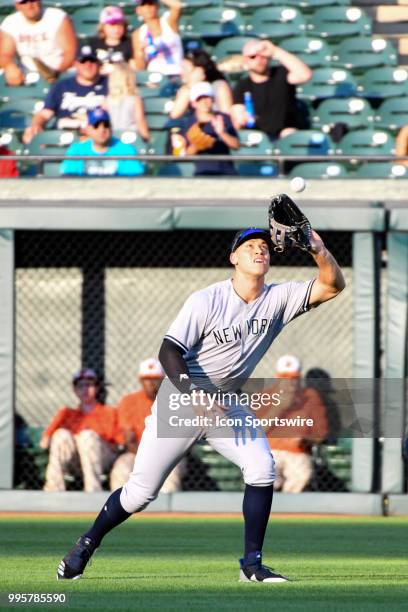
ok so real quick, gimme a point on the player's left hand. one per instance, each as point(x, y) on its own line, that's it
point(317, 244)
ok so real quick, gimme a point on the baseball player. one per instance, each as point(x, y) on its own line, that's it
point(221, 333)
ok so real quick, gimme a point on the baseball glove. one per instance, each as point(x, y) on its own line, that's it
point(288, 225)
point(199, 139)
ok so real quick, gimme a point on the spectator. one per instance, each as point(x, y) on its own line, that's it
point(123, 103)
point(272, 89)
point(81, 438)
point(8, 167)
point(209, 133)
point(133, 409)
point(157, 43)
point(69, 100)
point(112, 44)
point(43, 39)
point(291, 445)
point(197, 67)
point(101, 142)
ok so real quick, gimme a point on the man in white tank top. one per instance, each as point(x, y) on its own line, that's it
point(157, 43)
point(43, 39)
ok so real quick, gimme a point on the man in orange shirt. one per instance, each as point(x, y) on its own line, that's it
point(82, 437)
point(291, 445)
point(132, 412)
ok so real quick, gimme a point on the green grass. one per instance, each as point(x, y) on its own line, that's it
point(155, 563)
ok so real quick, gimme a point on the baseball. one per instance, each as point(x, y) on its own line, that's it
point(298, 184)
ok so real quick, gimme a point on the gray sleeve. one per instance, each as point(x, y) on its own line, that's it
point(188, 327)
point(296, 297)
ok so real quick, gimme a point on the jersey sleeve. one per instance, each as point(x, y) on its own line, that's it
point(295, 299)
point(56, 422)
point(188, 327)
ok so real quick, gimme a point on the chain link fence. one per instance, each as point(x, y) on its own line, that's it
point(105, 299)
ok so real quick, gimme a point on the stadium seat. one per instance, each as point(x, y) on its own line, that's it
point(227, 476)
point(86, 21)
point(320, 170)
point(11, 141)
point(69, 6)
point(314, 51)
point(328, 83)
point(383, 83)
point(49, 142)
point(217, 22)
point(191, 6)
point(392, 114)
point(37, 90)
point(24, 105)
point(262, 168)
point(354, 112)
point(12, 119)
point(304, 142)
point(362, 52)
point(254, 142)
point(157, 110)
point(185, 169)
point(276, 22)
point(381, 170)
point(336, 22)
point(229, 46)
point(367, 142)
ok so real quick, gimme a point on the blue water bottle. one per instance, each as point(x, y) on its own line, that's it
point(151, 50)
point(250, 109)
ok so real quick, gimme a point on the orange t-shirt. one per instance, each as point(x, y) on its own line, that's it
point(101, 419)
point(132, 412)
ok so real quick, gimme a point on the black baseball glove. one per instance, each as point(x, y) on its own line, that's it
point(288, 225)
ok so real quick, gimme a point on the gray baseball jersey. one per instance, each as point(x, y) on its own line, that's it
point(224, 337)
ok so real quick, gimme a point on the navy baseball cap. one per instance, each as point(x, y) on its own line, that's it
point(86, 53)
point(85, 373)
point(248, 234)
point(96, 115)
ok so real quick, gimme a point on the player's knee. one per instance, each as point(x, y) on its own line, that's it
point(260, 473)
point(137, 494)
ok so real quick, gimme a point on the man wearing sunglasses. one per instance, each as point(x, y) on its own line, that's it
point(68, 101)
point(101, 143)
point(43, 39)
point(272, 89)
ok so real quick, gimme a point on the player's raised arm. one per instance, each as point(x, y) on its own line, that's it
point(330, 281)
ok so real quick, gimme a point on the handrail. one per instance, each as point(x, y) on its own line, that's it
point(196, 158)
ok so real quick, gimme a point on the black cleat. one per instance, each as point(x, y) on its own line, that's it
point(71, 567)
point(256, 572)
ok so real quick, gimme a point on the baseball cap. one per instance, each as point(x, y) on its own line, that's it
point(84, 373)
point(111, 15)
point(248, 234)
point(151, 368)
point(200, 90)
point(96, 115)
point(86, 53)
point(288, 366)
point(140, 2)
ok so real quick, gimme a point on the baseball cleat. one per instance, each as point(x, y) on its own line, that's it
point(71, 567)
point(256, 572)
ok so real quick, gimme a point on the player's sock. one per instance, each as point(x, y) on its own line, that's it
point(256, 508)
point(111, 515)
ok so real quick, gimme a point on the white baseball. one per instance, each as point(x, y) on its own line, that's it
point(298, 184)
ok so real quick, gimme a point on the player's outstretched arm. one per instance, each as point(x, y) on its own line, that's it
point(330, 281)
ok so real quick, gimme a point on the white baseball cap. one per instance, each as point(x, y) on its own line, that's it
point(151, 368)
point(288, 366)
point(201, 90)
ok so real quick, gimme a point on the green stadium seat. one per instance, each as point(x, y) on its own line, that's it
point(185, 169)
point(229, 46)
point(276, 22)
point(86, 21)
point(360, 53)
point(328, 83)
point(12, 119)
point(315, 52)
point(320, 170)
point(227, 476)
point(24, 105)
point(367, 142)
point(304, 142)
point(217, 22)
point(49, 142)
point(11, 141)
point(37, 90)
point(392, 114)
point(157, 110)
point(248, 6)
point(254, 142)
point(255, 169)
point(334, 22)
point(69, 6)
point(354, 112)
point(192, 6)
point(381, 83)
point(382, 170)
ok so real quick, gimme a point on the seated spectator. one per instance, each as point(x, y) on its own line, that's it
point(123, 103)
point(8, 168)
point(197, 67)
point(291, 445)
point(209, 133)
point(43, 39)
point(133, 409)
point(82, 438)
point(101, 142)
point(68, 101)
point(272, 90)
point(157, 43)
point(401, 144)
point(112, 44)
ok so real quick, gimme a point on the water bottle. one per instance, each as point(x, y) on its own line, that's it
point(151, 50)
point(250, 109)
